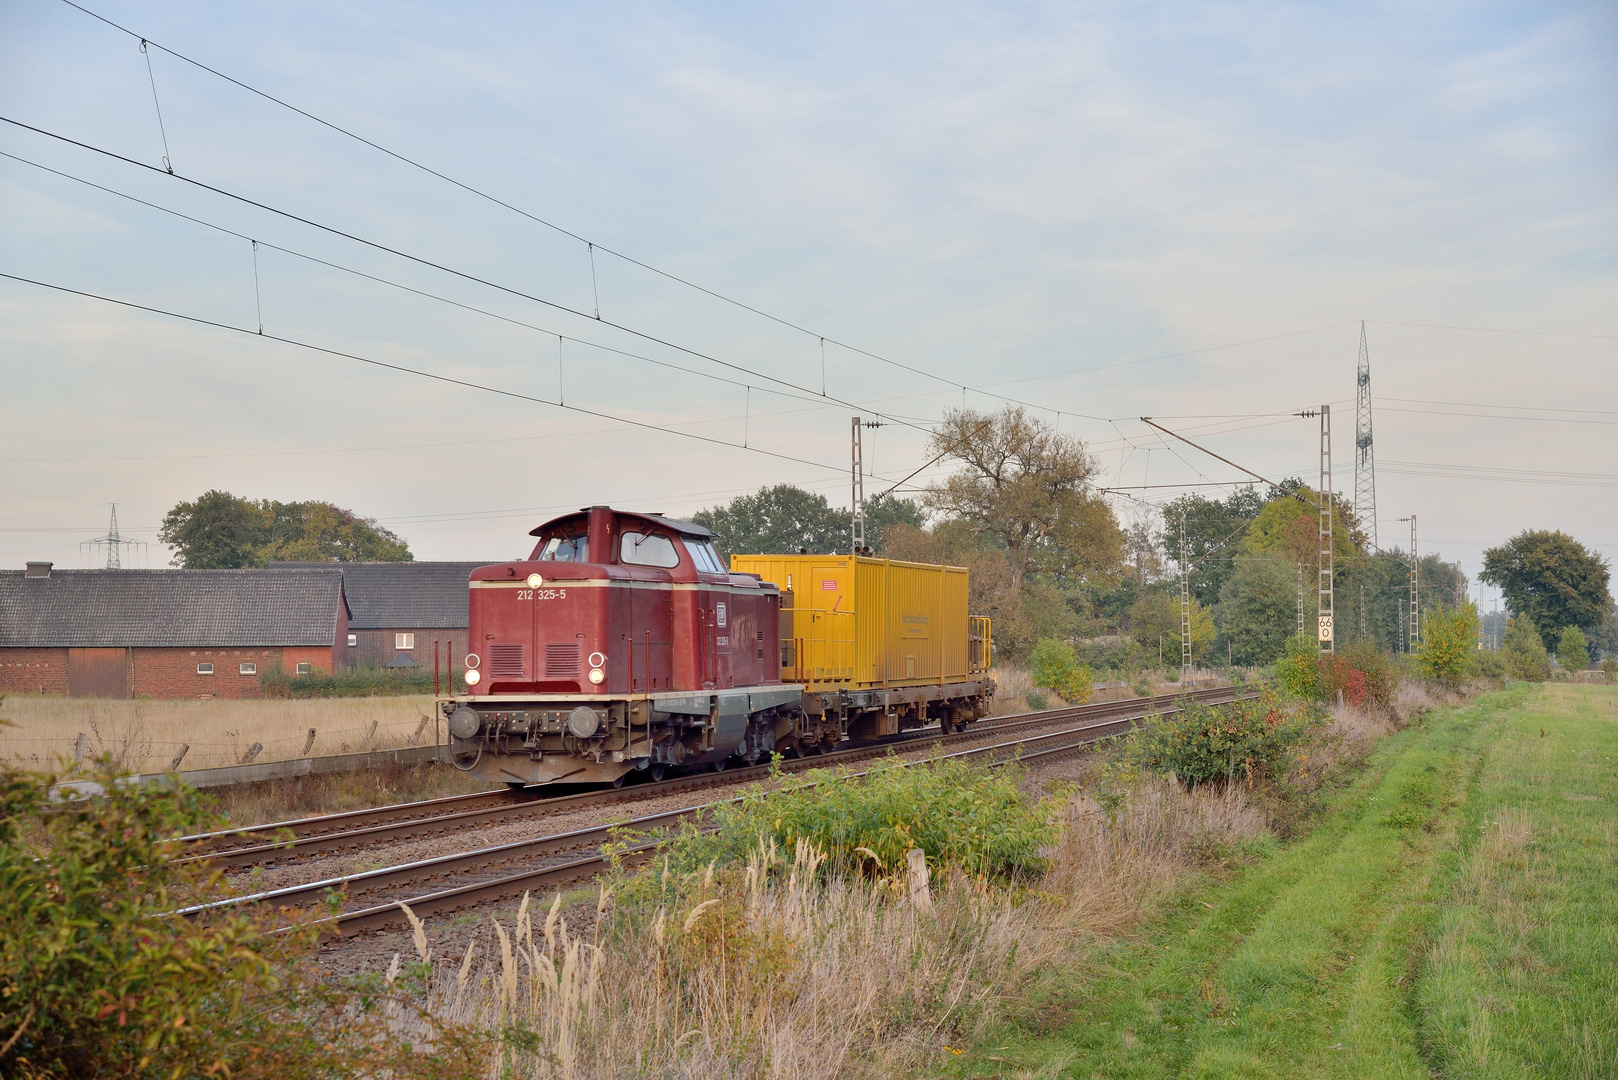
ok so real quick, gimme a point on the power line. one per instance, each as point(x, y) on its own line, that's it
point(393, 284)
point(592, 246)
point(1477, 405)
point(377, 245)
point(1493, 330)
point(410, 370)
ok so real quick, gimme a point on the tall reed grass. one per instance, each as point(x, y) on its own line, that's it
point(788, 965)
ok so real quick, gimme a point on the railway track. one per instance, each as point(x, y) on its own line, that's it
point(313, 836)
point(575, 855)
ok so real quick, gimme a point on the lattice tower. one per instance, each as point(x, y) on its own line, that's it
point(1364, 452)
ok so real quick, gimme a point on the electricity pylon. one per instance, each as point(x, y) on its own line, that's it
point(113, 542)
point(1364, 453)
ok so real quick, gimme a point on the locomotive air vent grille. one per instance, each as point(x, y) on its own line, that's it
point(505, 660)
point(562, 660)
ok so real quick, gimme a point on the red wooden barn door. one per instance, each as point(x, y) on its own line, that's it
point(98, 673)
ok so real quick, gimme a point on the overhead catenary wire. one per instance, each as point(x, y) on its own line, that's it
point(592, 245)
point(1221, 420)
point(390, 283)
point(479, 193)
point(405, 369)
point(423, 261)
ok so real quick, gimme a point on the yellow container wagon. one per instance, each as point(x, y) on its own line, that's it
point(853, 625)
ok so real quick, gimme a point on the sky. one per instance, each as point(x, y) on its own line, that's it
point(785, 216)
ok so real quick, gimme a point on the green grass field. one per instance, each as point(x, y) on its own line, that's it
point(1455, 914)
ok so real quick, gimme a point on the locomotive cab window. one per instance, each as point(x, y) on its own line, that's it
point(575, 548)
point(648, 549)
point(704, 555)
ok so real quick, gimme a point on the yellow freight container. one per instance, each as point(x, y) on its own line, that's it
point(858, 623)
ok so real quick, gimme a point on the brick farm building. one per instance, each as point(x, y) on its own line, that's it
point(398, 611)
point(167, 633)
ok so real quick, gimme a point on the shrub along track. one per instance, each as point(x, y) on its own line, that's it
point(551, 861)
point(282, 841)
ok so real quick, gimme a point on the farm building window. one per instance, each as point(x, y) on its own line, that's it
point(404, 641)
point(249, 669)
point(353, 640)
point(205, 668)
point(304, 668)
point(648, 549)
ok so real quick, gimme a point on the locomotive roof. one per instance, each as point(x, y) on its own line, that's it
point(687, 528)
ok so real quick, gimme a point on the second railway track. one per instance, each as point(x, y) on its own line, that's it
point(325, 834)
point(553, 860)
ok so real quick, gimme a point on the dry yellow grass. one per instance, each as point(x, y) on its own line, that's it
point(144, 736)
point(778, 971)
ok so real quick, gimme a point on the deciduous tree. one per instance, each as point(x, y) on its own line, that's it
point(1551, 580)
point(1214, 529)
point(1523, 651)
point(1572, 650)
point(219, 531)
point(779, 520)
point(1258, 610)
point(224, 531)
point(1023, 483)
point(1449, 638)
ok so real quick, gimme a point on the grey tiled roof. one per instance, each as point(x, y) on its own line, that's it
point(402, 595)
point(175, 608)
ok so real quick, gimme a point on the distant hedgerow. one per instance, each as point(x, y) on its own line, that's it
point(356, 682)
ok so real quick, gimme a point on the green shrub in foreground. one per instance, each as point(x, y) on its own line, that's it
point(969, 816)
point(1249, 740)
point(97, 978)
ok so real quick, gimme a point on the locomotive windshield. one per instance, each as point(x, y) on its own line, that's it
point(574, 548)
point(704, 555)
point(648, 549)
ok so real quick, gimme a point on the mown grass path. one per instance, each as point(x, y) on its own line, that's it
point(1454, 914)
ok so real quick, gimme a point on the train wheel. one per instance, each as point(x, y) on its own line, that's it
point(618, 781)
point(721, 765)
point(658, 771)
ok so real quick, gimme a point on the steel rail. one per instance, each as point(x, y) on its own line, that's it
point(1076, 738)
point(310, 836)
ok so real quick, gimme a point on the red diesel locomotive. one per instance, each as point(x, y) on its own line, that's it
point(623, 643)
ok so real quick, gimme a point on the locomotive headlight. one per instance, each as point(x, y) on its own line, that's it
point(535, 581)
point(473, 677)
point(472, 660)
point(597, 676)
